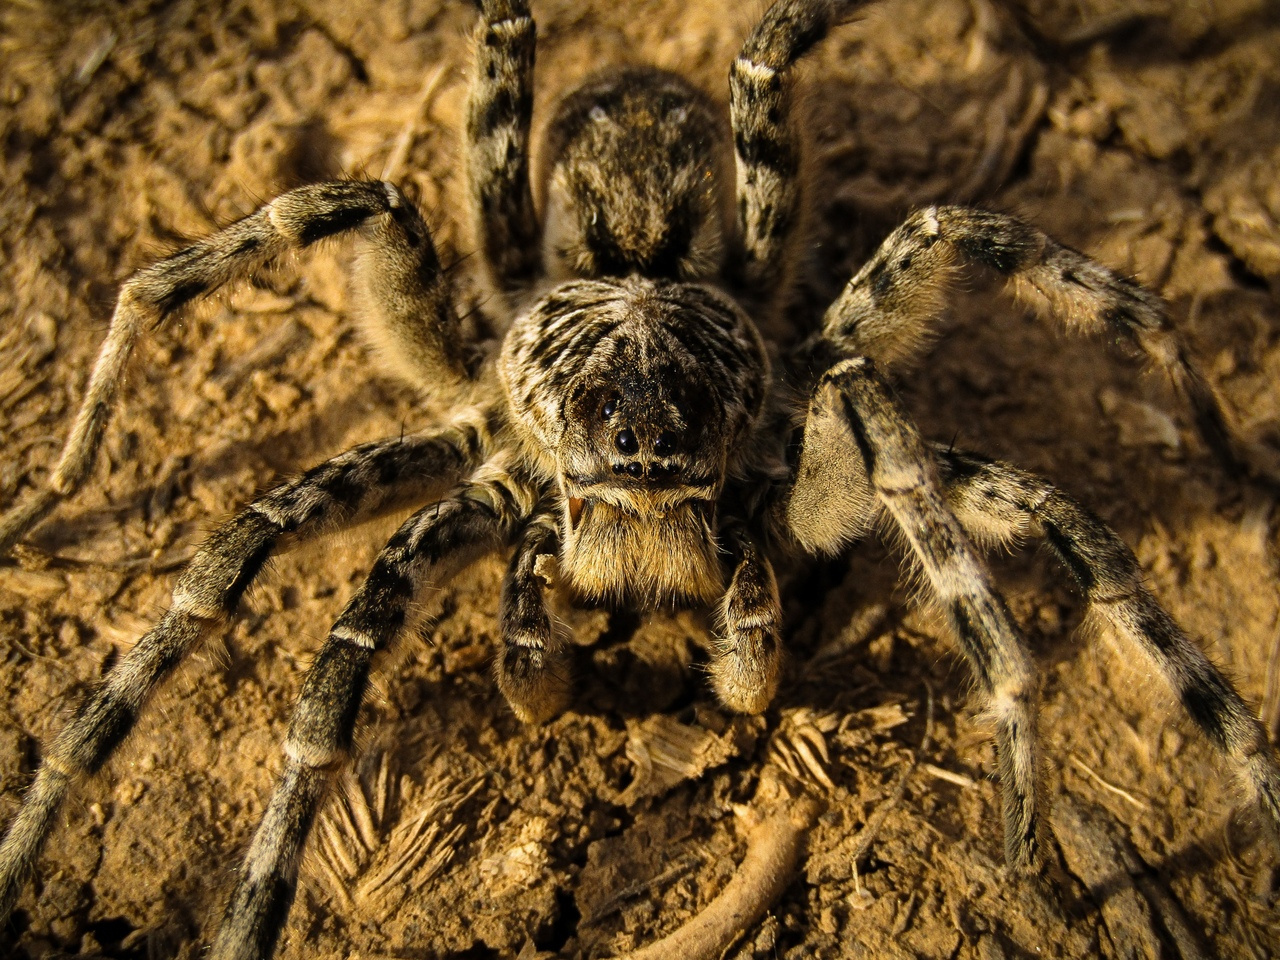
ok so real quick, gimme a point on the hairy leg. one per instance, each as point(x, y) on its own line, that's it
point(748, 654)
point(998, 504)
point(531, 669)
point(345, 490)
point(429, 547)
point(499, 111)
point(764, 136)
point(893, 305)
point(409, 306)
point(859, 421)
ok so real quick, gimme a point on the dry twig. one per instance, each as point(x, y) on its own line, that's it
point(399, 156)
point(867, 835)
point(774, 843)
point(1111, 787)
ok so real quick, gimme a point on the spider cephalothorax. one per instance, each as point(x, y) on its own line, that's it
point(636, 396)
point(635, 431)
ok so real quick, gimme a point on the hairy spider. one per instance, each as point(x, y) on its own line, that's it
point(634, 426)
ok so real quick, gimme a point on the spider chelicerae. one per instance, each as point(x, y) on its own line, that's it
point(633, 439)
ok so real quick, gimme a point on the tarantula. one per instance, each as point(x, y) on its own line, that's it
point(634, 433)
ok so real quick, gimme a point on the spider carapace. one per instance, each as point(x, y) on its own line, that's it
point(635, 428)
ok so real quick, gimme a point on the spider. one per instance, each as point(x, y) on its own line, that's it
point(633, 439)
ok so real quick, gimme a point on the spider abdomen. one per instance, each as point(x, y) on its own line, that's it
point(632, 180)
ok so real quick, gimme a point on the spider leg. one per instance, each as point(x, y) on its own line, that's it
point(531, 669)
point(349, 488)
point(892, 306)
point(431, 545)
point(857, 426)
point(766, 148)
point(410, 309)
point(748, 654)
point(499, 112)
point(999, 503)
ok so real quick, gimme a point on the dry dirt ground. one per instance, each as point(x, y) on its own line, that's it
point(1145, 133)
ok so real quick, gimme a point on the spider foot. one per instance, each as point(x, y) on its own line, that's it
point(744, 670)
point(536, 683)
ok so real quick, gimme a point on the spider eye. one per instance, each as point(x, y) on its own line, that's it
point(610, 407)
point(627, 442)
point(636, 469)
point(665, 445)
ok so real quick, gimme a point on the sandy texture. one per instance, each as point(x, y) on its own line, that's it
point(1146, 133)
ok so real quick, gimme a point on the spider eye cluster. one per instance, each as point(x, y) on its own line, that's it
point(664, 445)
point(645, 457)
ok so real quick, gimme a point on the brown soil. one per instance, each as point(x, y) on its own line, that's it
point(1147, 133)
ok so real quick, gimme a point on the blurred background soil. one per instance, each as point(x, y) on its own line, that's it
point(1146, 133)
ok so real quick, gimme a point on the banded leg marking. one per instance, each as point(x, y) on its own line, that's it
point(499, 113)
point(531, 668)
point(348, 488)
point(765, 144)
point(892, 306)
point(400, 257)
point(426, 550)
point(999, 504)
point(904, 478)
